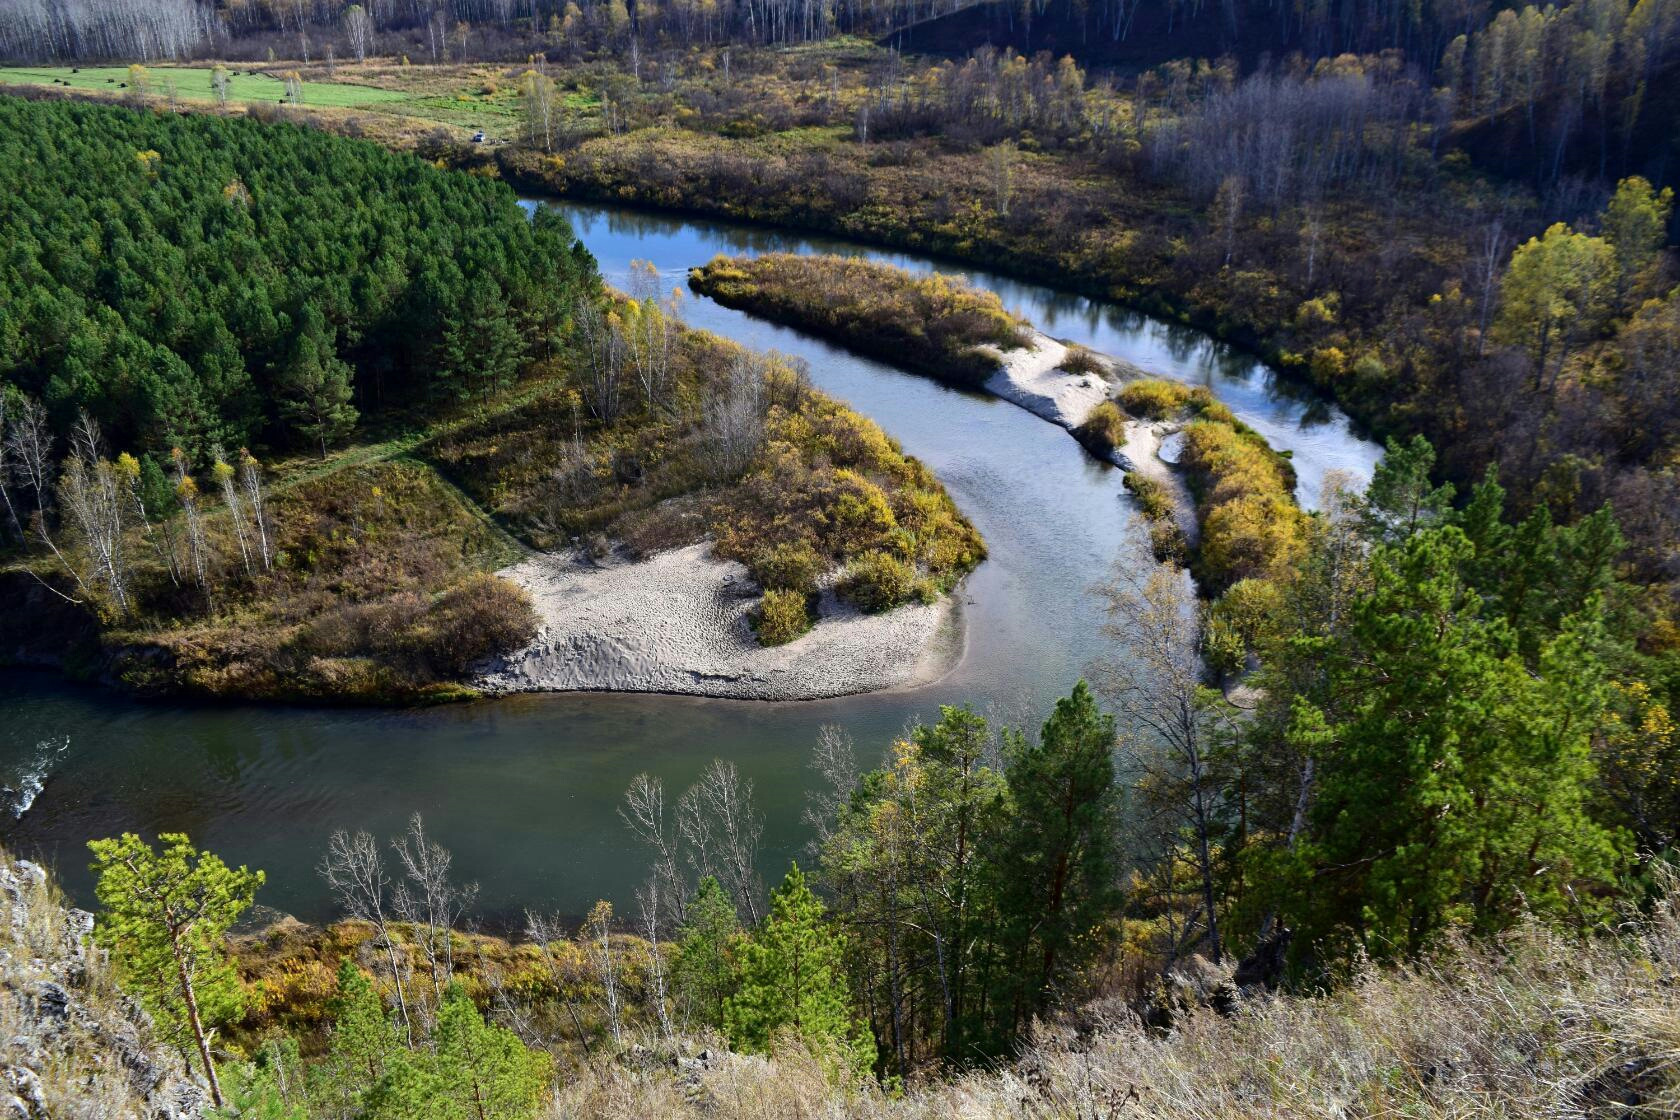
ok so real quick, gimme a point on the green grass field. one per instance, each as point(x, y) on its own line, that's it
point(193, 84)
point(443, 99)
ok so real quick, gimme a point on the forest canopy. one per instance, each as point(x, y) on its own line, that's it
point(193, 279)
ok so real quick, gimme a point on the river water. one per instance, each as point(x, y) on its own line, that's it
point(525, 790)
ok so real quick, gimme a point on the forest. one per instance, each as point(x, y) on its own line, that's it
point(188, 281)
point(1371, 810)
point(437, 384)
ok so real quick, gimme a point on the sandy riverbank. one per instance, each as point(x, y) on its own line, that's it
point(1029, 377)
point(677, 622)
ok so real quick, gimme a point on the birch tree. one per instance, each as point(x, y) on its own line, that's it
point(1155, 683)
point(94, 495)
point(251, 483)
point(598, 943)
point(429, 900)
point(225, 475)
point(198, 545)
point(358, 28)
point(717, 819)
point(355, 873)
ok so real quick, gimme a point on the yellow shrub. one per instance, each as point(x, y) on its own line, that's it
point(781, 617)
point(1154, 398)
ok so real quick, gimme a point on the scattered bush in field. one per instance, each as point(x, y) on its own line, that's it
point(879, 581)
point(781, 617)
point(930, 324)
point(1104, 428)
point(1154, 398)
point(789, 566)
point(479, 618)
point(1079, 361)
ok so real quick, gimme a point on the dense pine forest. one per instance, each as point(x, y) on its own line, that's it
point(193, 280)
point(1370, 810)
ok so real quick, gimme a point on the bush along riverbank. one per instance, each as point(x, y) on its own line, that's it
point(1247, 525)
point(930, 324)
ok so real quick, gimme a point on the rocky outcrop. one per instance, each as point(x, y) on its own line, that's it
point(72, 1046)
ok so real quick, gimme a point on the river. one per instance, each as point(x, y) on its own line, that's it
point(525, 790)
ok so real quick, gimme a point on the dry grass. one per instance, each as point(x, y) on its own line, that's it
point(377, 594)
point(1541, 1024)
point(933, 324)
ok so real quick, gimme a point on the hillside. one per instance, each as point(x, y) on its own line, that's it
point(77, 1048)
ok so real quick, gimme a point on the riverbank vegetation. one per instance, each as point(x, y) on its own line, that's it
point(933, 324)
point(146, 553)
point(1307, 871)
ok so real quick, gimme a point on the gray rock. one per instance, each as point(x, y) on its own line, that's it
point(52, 1001)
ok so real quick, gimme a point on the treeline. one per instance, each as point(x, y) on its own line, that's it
point(192, 280)
point(455, 30)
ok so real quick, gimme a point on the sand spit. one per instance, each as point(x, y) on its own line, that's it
point(1029, 377)
point(677, 622)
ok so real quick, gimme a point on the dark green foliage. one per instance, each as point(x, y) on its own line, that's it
point(973, 893)
point(707, 945)
point(191, 279)
point(362, 1045)
point(1401, 499)
point(473, 1071)
point(793, 979)
point(1456, 784)
point(1057, 865)
point(313, 384)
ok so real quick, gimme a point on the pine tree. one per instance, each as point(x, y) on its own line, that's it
point(474, 1071)
point(314, 384)
point(1058, 870)
point(793, 979)
point(707, 946)
point(164, 920)
point(1455, 786)
point(1401, 500)
point(360, 1048)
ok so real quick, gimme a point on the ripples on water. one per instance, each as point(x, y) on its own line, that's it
point(29, 777)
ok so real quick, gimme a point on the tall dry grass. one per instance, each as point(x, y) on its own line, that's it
point(1539, 1024)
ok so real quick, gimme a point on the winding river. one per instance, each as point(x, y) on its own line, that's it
point(525, 790)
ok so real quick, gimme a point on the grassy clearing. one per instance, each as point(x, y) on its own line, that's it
point(193, 84)
point(382, 96)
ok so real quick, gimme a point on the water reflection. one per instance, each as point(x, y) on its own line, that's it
point(1318, 437)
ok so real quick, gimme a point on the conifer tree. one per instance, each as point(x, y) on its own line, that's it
point(1058, 869)
point(164, 919)
point(706, 949)
point(360, 1048)
point(314, 385)
point(793, 979)
point(474, 1071)
point(1456, 784)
